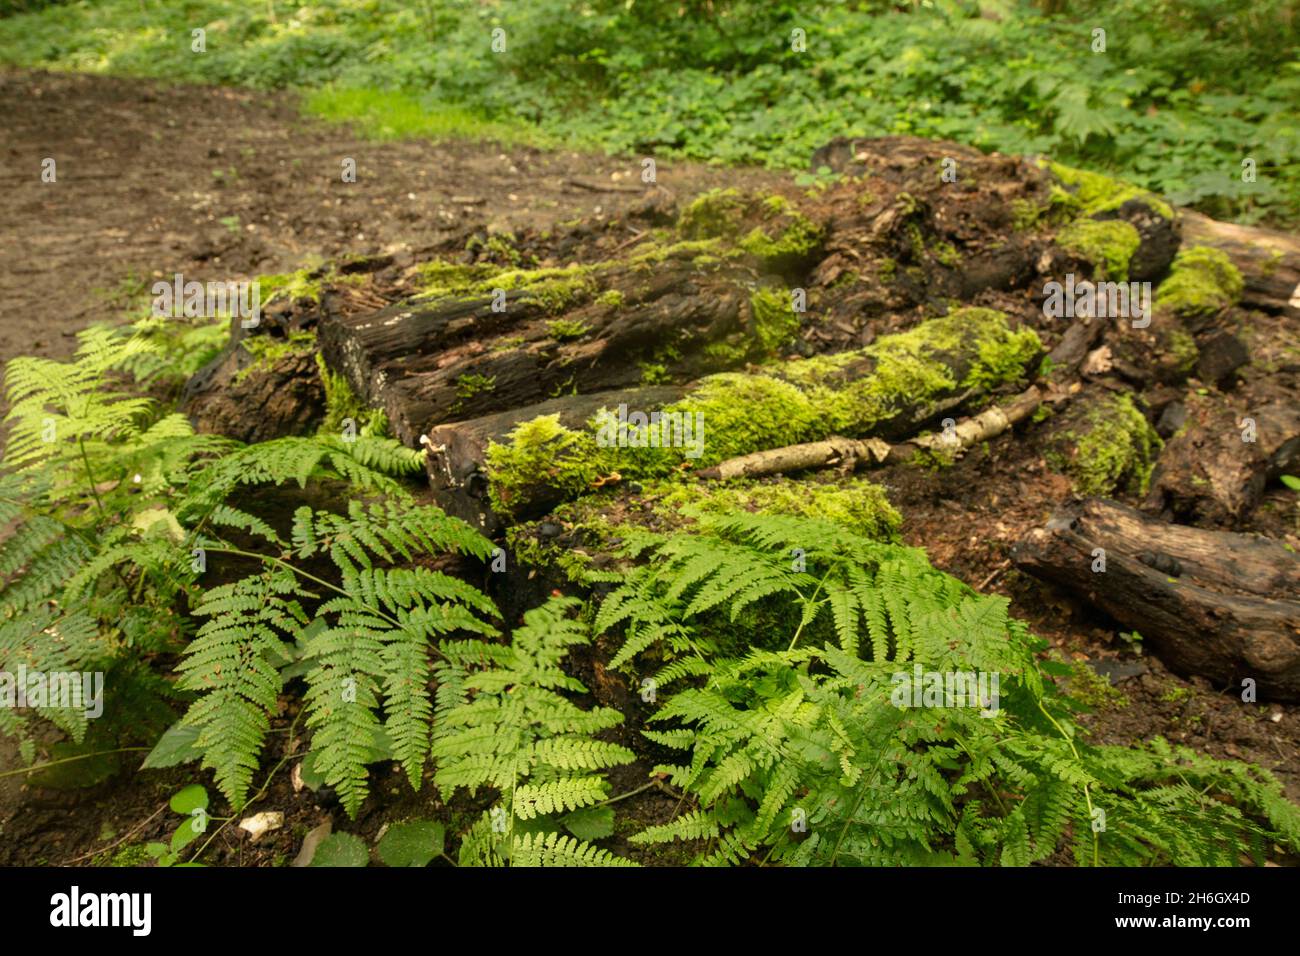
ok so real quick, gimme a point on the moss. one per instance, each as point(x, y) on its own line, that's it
point(130, 855)
point(267, 350)
point(555, 289)
point(774, 321)
point(856, 504)
point(611, 297)
point(797, 401)
point(540, 451)
point(1108, 244)
point(1116, 451)
point(1092, 193)
point(888, 269)
point(565, 330)
point(1202, 281)
point(713, 214)
point(777, 233)
point(302, 284)
point(796, 239)
point(471, 384)
point(1183, 348)
point(499, 246)
point(1025, 214)
point(947, 254)
point(914, 367)
point(341, 403)
point(1092, 689)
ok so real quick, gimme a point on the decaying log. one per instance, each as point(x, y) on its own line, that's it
point(849, 453)
point(1269, 261)
point(456, 358)
point(1209, 474)
point(1220, 605)
point(457, 462)
point(457, 451)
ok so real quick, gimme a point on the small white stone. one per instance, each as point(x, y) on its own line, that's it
point(260, 824)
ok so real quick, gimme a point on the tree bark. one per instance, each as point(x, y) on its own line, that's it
point(1220, 605)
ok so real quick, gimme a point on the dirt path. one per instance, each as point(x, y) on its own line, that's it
point(226, 184)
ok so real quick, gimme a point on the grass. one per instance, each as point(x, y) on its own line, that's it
point(392, 114)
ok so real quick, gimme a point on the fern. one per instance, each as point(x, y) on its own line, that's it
point(505, 724)
point(370, 656)
point(796, 749)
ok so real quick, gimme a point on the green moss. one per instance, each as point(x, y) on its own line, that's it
point(342, 403)
point(1117, 450)
point(947, 254)
point(611, 297)
point(565, 330)
point(130, 855)
point(1183, 348)
point(774, 321)
point(1108, 244)
point(888, 269)
point(497, 246)
point(803, 400)
point(555, 289)
point(654, 373)
point(1202, 281)
point(471, 384)
point(540, 451)
point(1092, 689)
point(856, 503)
point(797, 239)
point(777, 233)
point(915, 367)
point(1092, 193)
point(302, 284)
point(267, 350)
point(712, 215)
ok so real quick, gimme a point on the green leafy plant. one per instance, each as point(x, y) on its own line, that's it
point(504, 723)
point(801, 751)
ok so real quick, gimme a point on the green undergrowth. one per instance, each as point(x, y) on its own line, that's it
point(1179, 97)
point(805, 692)
point(597, 524)
point(770, 628)
point(853, 393)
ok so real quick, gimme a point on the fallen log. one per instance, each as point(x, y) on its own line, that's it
point(478, 351)
point(1214, 470)
point(888, 390)
point(1220, 605)
point(1269, 261)
point(848, 454)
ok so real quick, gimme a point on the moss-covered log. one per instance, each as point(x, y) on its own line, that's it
point(532, 458)
point(1268, 261)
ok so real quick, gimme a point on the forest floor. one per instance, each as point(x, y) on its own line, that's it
point(227, 184)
